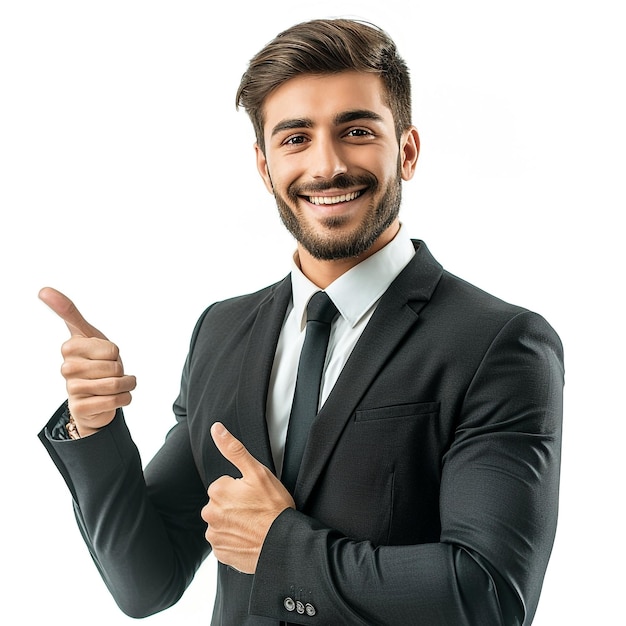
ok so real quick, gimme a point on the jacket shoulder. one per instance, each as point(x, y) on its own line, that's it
point(472, 310)
point(235, 316)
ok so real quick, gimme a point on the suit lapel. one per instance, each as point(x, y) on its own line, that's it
point(396, 314)
point(256, 370)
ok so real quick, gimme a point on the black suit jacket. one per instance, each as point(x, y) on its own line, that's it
point(429, 485)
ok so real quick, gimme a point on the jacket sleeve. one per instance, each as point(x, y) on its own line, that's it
point(498, 510)
point(143, 529)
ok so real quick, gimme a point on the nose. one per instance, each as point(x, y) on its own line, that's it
point(327, 159)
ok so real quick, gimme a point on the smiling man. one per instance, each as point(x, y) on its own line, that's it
point(335, 166)
point(371, 440)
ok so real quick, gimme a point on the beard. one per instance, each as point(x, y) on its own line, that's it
point(330, 243)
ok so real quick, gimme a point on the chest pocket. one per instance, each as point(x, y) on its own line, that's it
point(413, 409)
point(382, 481)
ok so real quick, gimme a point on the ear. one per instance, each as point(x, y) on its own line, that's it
point(261, 164)
point(409, 151)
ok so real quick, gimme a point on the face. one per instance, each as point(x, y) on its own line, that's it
point(334, 163)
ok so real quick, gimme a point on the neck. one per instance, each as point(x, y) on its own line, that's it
point(322, 273)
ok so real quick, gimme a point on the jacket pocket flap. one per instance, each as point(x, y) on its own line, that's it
point(399, 410)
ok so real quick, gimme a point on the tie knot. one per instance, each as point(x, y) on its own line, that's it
point(321, 308)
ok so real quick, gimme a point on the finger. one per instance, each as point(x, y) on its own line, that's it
point(90, 369)
point(90, 348)
point(68, 312)
point(93, 406)
point(233, 450)
point(101, 386)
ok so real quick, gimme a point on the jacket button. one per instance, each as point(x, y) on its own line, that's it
point(310, 609)
point(289, 604)
point(300, 607)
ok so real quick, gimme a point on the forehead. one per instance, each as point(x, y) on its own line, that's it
point(321, 98)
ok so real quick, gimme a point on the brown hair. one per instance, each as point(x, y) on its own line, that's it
point(326, 47)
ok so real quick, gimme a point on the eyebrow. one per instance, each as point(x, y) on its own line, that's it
point(341, 118)
point(301, 122)
point(358, 114)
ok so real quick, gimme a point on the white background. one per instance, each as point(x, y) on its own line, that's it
point(127, 180)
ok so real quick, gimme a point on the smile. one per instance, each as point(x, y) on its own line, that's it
point(319, 200)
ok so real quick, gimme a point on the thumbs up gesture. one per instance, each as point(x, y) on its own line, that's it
point(241, 510)
point(92, 368)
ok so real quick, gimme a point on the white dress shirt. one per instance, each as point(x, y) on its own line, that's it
point(355, 294)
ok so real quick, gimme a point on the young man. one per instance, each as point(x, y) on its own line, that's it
point(425, 489)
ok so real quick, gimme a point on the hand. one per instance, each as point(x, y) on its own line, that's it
point(92, 368)
point(241, 510)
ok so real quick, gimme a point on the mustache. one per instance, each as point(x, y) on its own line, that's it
point(341, 181)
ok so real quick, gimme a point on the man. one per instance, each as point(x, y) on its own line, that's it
point(425, 490)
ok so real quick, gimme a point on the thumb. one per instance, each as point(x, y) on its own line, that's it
point(68, 312)
point(232, 449)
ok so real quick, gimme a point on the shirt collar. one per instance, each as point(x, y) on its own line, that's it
point(355, 292)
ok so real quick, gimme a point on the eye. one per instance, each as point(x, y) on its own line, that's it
point(295, 140)
point(359, 132)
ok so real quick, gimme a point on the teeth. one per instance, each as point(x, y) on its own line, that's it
point(336, 199)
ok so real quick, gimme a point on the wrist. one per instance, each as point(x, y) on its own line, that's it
point(71, 427)
point(73, 430)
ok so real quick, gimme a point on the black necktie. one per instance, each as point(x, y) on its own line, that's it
point(320, 313)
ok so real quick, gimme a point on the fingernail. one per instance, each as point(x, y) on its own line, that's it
point(219, 429)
